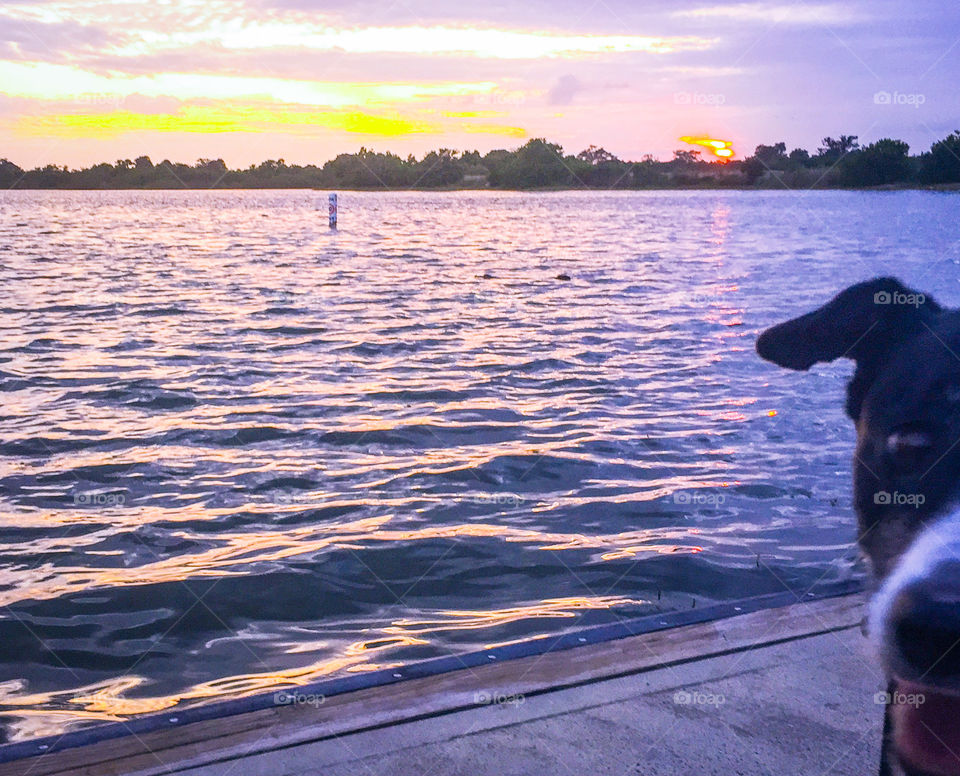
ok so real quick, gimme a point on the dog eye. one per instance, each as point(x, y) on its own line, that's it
point(908, 447)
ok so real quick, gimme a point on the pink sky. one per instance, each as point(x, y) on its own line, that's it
point(247, 80)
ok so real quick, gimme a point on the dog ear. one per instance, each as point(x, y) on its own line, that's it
point(863, 323)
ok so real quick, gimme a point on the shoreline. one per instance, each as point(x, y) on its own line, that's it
point(941, 188)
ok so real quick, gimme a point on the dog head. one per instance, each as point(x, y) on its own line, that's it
point(904, 398)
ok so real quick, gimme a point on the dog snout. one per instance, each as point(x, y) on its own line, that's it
point(925, 627)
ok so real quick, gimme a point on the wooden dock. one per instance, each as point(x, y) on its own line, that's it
point(792, 673)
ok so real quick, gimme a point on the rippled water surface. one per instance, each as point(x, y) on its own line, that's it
point(239, 452)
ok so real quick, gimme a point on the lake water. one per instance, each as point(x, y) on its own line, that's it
point(239, 452)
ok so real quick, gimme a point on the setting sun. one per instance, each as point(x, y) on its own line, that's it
point(719, 148)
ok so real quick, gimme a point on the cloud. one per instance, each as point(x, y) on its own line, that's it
point(790, 14)
point(448, 68)
point(26, 39)
point(564, 90)
point(531, 14)
point(10, 106)
point(47, 81)
point(482, 42)
point(304, 65)
point(702, 71)
point(251, 118)
point(237, 26)
point(141, 103)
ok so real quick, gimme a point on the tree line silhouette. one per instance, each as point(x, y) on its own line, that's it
point(539, 164)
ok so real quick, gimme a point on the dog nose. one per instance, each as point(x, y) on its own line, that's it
point(926, 625)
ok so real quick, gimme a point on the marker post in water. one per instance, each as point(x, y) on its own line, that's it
point(333, 211)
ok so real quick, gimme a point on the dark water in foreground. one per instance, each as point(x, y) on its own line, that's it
point(239, 452)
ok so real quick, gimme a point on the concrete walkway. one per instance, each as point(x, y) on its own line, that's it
point(805, 706)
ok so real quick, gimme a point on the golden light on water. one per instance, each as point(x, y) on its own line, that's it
point(722, 149)
point(109, 701)
point(459, 619)
point(236, 550)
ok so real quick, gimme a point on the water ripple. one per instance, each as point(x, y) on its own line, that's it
point(240, 452)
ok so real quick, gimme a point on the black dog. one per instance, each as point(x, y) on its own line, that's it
point(905, 401)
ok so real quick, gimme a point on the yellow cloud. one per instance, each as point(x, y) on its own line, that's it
point(110, 124)
point(214, 120)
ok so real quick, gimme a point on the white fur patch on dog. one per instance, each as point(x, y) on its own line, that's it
point(937, 543)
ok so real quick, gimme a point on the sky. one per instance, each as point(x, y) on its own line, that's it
point(84, 81)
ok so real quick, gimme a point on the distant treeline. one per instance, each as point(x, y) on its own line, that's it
point(840, 162)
